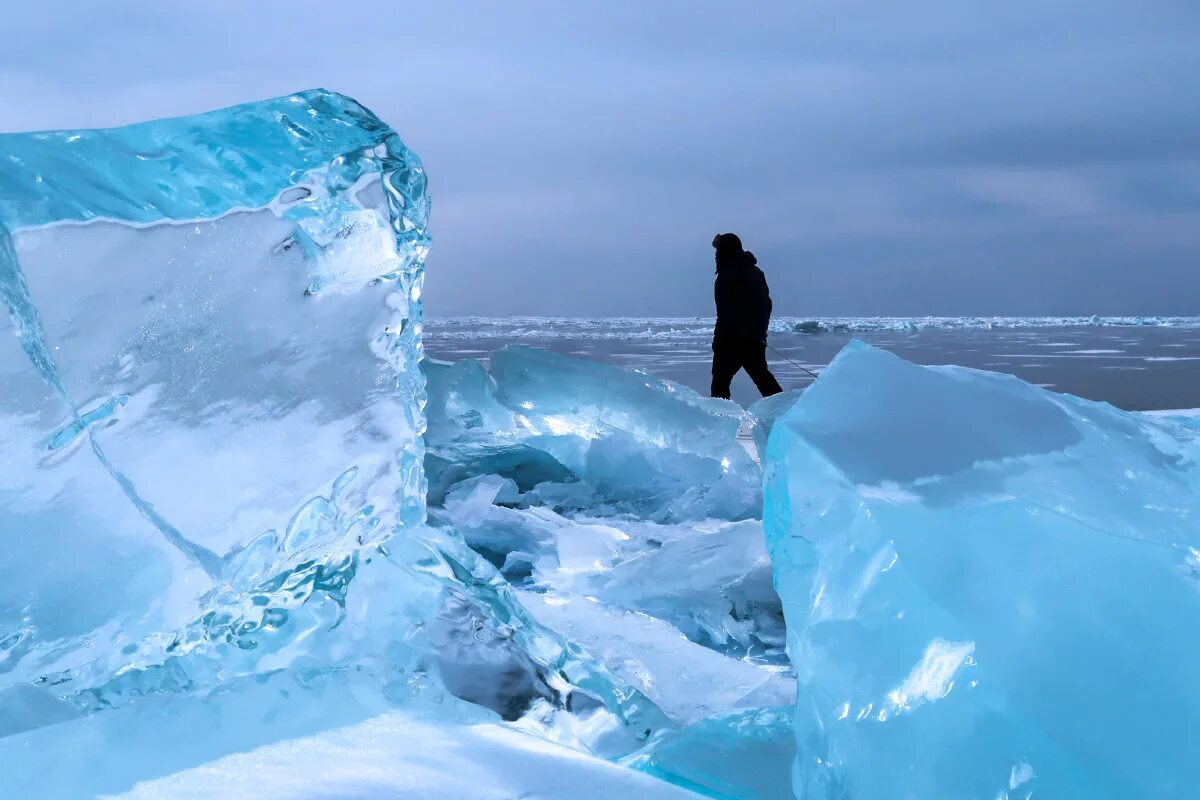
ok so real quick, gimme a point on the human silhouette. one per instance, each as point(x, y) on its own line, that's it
point(743, 313)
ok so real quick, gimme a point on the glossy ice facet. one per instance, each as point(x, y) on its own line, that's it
point(990, 588)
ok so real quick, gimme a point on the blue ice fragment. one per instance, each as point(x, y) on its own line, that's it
point(646, 445)
point(990, 589)
point(765, 412)
point(745, 754)
point(176, 295)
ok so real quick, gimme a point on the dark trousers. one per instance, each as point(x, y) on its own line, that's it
point(730, 356)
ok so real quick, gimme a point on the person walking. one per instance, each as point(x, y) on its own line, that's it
point(743, 314)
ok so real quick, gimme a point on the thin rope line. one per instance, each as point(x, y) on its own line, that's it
point(793, 363)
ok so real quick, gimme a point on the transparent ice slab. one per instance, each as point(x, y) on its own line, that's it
point(214, 373)
point(990, 589)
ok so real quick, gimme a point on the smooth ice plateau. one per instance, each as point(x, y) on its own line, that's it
point(253, 544)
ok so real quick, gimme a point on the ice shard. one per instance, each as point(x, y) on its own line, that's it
point(991, 589)
point(744, 754)
point(214, 370)
point(765, 412)
point(636, 443)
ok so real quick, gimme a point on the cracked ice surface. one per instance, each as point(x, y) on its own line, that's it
point(990, 588)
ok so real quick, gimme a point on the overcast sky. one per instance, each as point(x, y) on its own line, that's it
point(880, 157)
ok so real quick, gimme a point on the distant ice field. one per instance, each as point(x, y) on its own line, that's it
point(1136, 363)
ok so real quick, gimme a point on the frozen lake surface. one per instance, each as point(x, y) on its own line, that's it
point(1135, 363)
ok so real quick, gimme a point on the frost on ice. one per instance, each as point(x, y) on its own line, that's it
point(990, 588)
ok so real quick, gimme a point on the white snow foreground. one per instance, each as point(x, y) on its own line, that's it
point(398, 756)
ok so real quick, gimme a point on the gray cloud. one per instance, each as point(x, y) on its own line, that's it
point(881, 158)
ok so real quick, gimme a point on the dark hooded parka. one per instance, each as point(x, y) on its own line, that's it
point(743, 315)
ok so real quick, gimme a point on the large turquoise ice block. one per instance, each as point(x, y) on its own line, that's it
point(214, 367)
point(991, 590)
